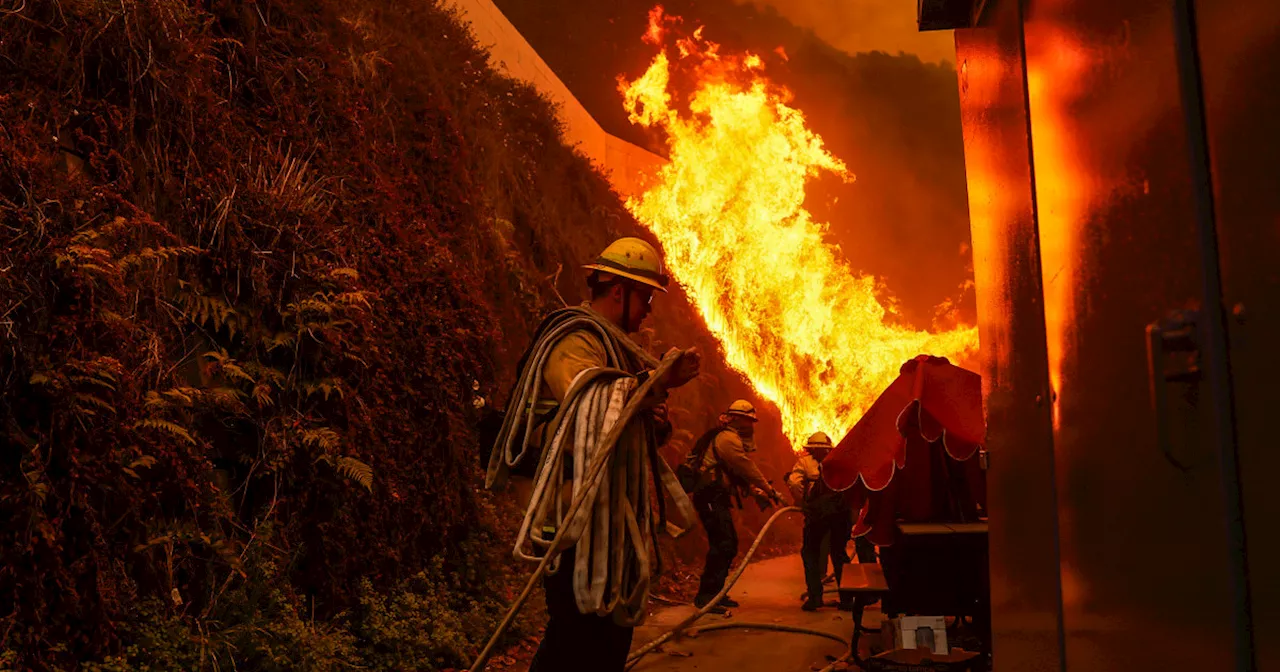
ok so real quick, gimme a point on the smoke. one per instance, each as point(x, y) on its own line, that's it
point(866, 25)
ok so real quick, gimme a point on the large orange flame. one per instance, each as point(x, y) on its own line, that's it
point(808, 331)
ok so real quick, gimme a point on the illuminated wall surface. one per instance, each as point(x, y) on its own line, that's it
point(626, 164)
point(1113, 548)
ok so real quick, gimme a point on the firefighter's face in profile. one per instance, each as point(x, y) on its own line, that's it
point(745, 427)
point(819, 454)
point(641, 305)
point(635, 300)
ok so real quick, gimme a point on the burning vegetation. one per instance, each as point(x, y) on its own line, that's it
point(809, 332)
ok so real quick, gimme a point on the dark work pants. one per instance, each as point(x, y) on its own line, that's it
point(714, 507)
point(823, 536)
point(865, 550)
point(573, 640)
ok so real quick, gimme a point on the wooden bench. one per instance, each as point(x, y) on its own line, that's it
point(861, 584)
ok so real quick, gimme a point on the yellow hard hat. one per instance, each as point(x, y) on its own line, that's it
point(633, 259)
point(743, 409)
point(818, 440)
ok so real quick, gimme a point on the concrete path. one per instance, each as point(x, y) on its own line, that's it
point(769, 592)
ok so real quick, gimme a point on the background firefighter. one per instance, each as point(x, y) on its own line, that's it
point(572, 382)
point(827, 521)
point(724, 471)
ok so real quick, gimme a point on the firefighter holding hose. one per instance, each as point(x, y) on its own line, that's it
point(575, 383)
point(724, 470)
point(826, 518)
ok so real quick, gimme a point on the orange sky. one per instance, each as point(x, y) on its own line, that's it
point(867, 25)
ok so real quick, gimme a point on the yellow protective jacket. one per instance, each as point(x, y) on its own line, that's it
point(805, 473)
point(575, 353)
point(728, 454)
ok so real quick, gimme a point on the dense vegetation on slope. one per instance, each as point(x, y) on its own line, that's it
point(259, 261)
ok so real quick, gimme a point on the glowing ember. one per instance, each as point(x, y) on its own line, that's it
point(803, 327)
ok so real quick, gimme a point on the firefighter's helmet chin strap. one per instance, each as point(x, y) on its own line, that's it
point(626, 307)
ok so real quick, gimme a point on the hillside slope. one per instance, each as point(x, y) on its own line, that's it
point(258, 262)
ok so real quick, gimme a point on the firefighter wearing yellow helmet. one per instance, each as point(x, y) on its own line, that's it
point(827, 522)
point(585, 354)
point(722, 470)
point(623, 279)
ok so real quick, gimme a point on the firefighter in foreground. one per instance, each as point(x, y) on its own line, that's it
point(827, 522)
point(579, 372)
point(723, 471)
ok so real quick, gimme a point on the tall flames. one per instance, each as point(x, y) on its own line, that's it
point(808, 331)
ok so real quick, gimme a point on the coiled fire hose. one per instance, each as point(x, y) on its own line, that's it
point(587, 491)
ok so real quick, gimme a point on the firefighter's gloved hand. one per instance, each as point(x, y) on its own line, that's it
point(776, 497)
point(685, 370)
point(763, 498)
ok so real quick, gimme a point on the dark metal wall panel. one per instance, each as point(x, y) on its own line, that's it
point(1144, 570)
point(1239, 46)
point(1026, 600)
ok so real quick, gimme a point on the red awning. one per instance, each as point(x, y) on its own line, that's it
point(932, 403)
point(931, 399)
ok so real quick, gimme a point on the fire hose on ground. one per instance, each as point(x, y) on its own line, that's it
point(684, 625)
point(634, 658)
point(593, 477)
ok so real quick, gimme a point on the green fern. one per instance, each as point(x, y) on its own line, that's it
point(230, 367)
point(85, 403)
point(357, 471)
point(325, 387)
point(206, 311)
point(167, 427)
point(262, 396)
point(141, 463)
point(93, 235)
point(317, 304)
point(352, 299)
point(156, 254)
point(182, 395)
point(264, 374)
point(351, 468)
point(89, 260)
point(93, 380)
point(322, 437)
point(281, 339)
point(347, 274)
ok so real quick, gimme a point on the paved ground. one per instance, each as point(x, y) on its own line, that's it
point(769, 592)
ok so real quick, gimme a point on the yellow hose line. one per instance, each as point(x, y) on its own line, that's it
point(778, 627)
point(634, 658)
point(640, 653)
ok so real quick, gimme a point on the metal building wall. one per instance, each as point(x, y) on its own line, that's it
point(1239, 49)
point(1146, 543)
point(1026, 599)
